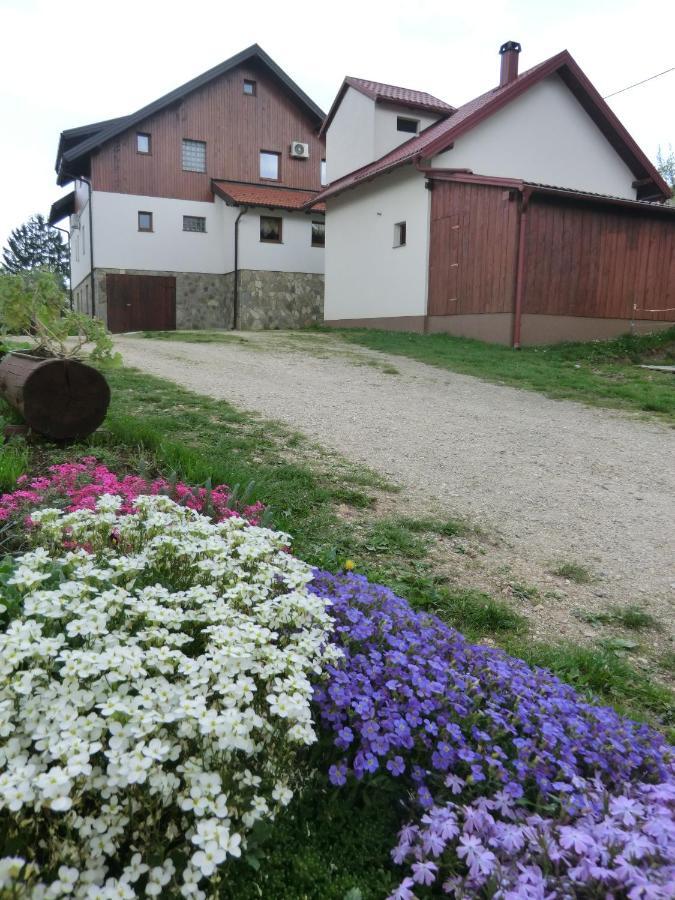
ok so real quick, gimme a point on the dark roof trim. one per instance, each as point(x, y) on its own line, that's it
point(64, 206)
point(71, 137)
point(443, 109)
point(253, 52)
point(548, 190)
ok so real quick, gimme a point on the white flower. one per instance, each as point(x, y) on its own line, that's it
point(169, 681)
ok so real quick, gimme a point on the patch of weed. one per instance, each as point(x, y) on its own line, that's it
point(573, 572)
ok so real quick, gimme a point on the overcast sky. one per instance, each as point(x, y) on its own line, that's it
point(67, 64)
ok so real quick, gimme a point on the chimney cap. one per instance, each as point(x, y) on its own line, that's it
point(510, 46)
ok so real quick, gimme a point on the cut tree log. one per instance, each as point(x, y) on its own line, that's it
point(62, 399)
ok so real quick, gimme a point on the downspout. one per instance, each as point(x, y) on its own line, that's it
point(235, 296)
point(520, 271)
point(70, 265)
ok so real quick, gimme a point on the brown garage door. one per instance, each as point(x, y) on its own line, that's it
point(141, 303)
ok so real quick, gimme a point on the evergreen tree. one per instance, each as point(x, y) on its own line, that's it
point(665, 163)
point(34, 245)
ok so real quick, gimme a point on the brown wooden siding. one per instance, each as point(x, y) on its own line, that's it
point(580, 259)
point(590, 261)
point(472, 261)
point(234, 125)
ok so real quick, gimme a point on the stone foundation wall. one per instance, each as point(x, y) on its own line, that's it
point(266, 299)
point(279, 299)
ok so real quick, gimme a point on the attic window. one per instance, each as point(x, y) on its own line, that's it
point(408, 125)
point(324, 176)
point(269, 165)
point(399, 234)
point(143, 144)
point(249, 87)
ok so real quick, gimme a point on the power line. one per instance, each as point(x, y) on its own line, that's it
point(644, 81)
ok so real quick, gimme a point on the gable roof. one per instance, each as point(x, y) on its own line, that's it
point(240, 193)
point(111, 128)
point(387, 93)
point(441, 135)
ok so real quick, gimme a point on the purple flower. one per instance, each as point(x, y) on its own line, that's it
point(424, 872)
point(396, 765)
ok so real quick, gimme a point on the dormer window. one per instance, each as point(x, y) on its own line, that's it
point(409, 126)
point(143, 143)
point(249, 87)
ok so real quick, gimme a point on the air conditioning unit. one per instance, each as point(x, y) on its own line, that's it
point(300, 150)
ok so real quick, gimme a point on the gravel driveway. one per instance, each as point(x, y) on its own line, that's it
point(557, 480)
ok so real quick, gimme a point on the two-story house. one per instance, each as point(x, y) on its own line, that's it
point(191, 212)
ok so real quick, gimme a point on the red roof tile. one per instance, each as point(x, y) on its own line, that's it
point(440, 135)
point(270, 196)
point(388, 93)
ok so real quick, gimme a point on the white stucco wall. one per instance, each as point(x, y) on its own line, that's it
point(294, 254)
point(386, 135)
point(544, 136)
point(366, 276)
point(351, 135)
point(120, 245)
point(80, 243)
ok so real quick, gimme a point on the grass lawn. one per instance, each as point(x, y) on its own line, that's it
point(324, 847)
point(600, 373)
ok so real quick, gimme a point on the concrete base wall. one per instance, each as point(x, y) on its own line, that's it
point(203, 300)
point(389, 323)
point(498, 328)
point(279, 299)
point(554, 329)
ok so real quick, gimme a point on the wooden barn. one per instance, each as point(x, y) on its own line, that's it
point(528, 263)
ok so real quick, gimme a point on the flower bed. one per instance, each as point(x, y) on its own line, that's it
point(154, 694)
point(161, 673)
point(78, 485)
point(501, 759)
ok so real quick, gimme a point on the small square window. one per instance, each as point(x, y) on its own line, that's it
point(399, 234)
point(269, 165)
point(249, 87)
point(270, 229)
point(144, 221)
point(408, 125)
point(194, 156)
point(143, 143)
point(194, 223)
point(324, 174)
point(318, 234)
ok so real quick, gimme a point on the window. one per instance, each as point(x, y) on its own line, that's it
point(249, 87)
point(144, 221)
point(269, 165)
point(399, 234)
point(142, 143)
point(324, 179)
point(318, 234)
point(270, 229)
point(407, 125)
point(194, 223)
point(84, 240)
point(194, 156)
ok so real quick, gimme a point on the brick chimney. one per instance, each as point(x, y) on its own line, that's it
point(509, 70)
